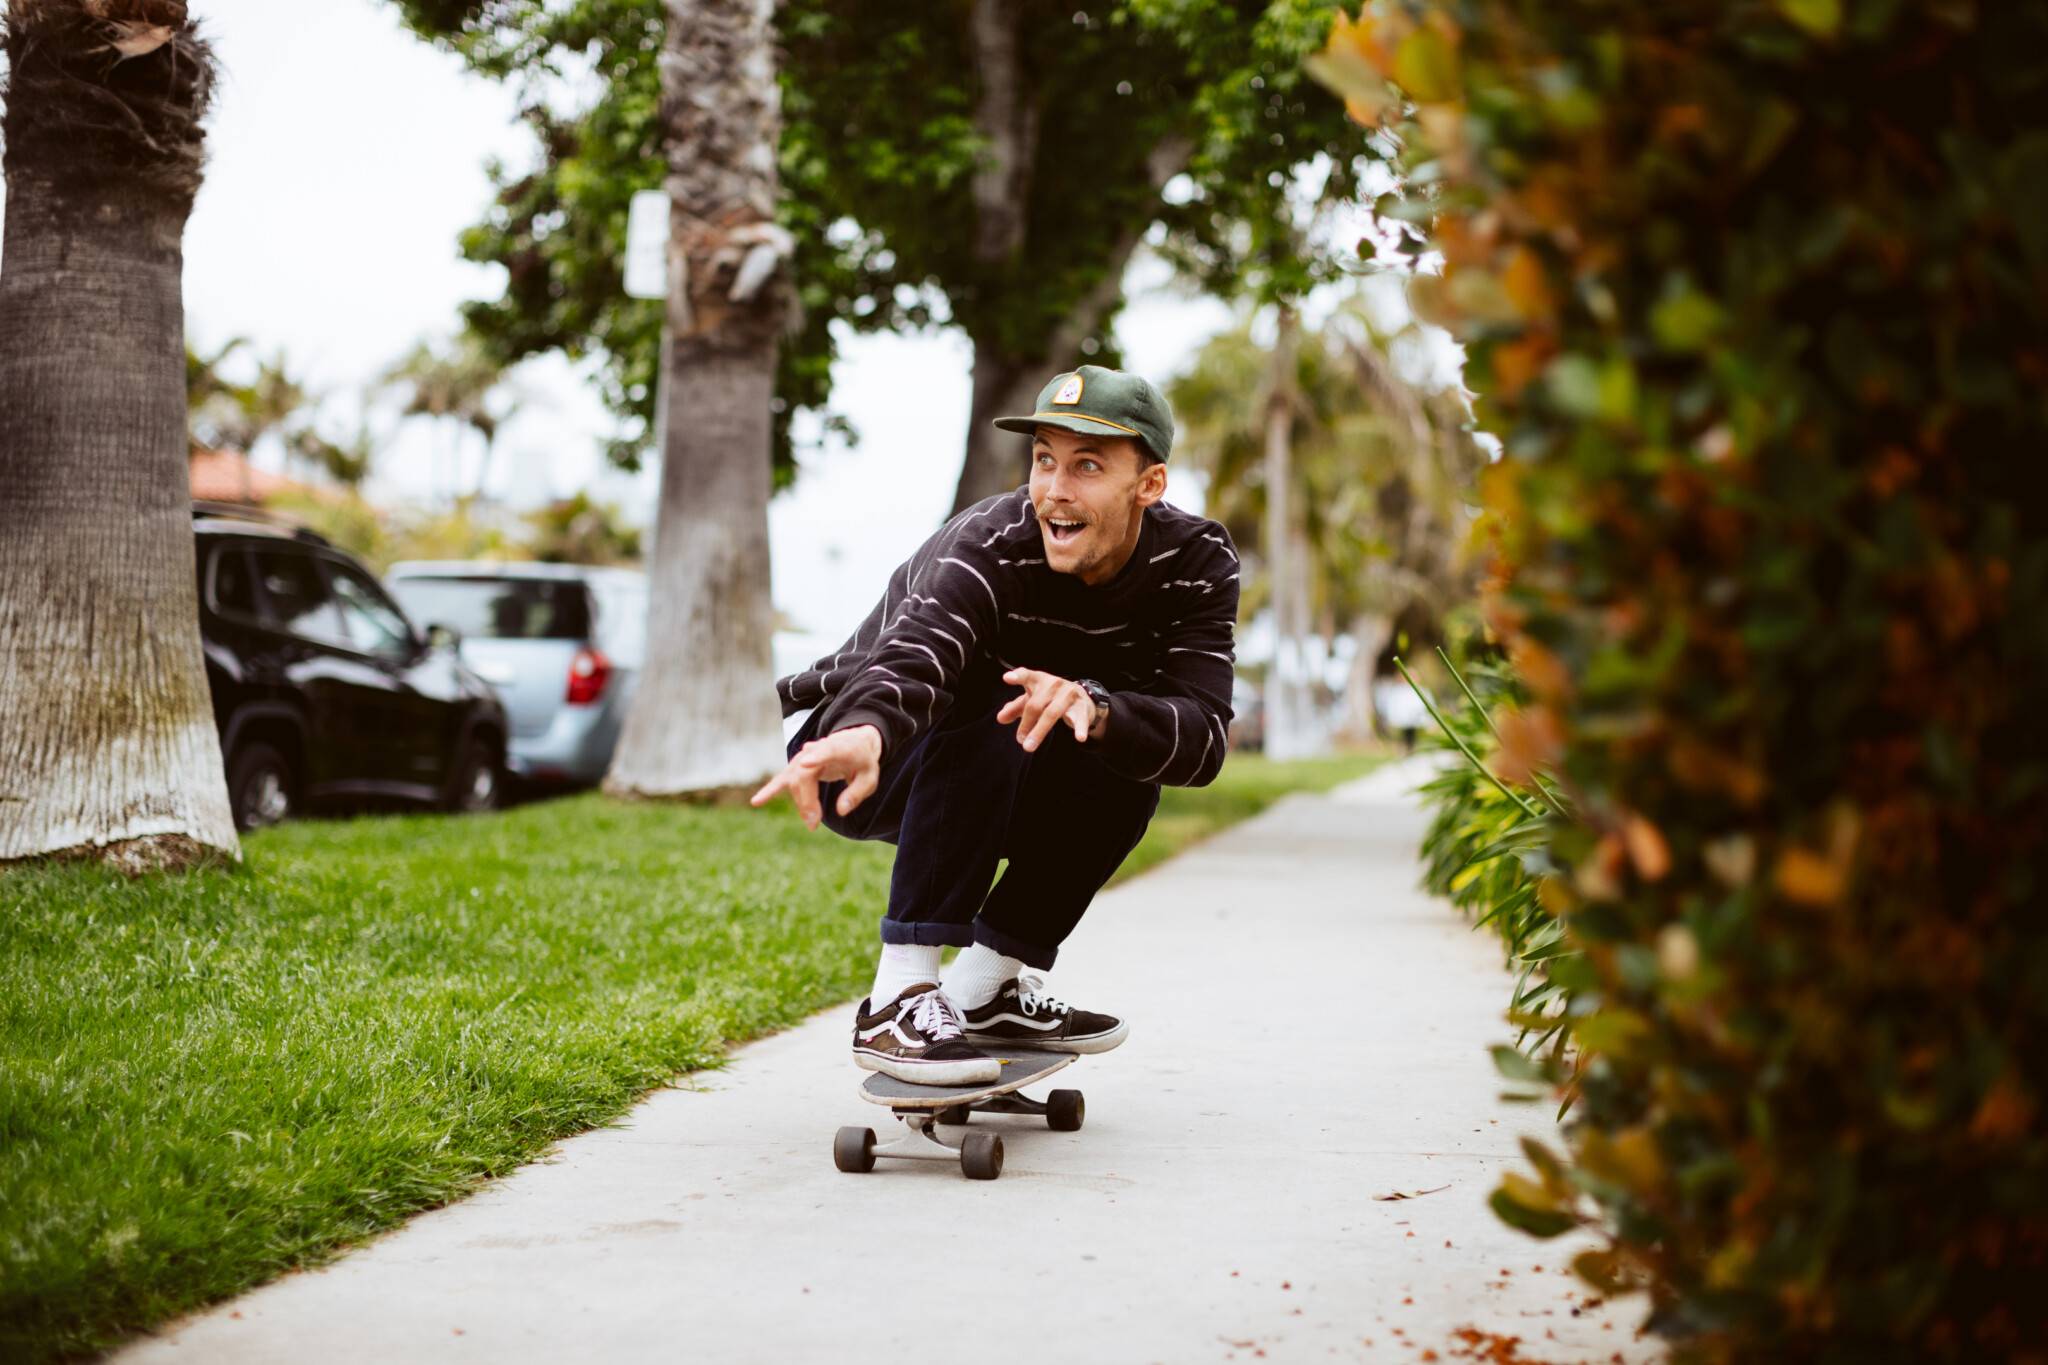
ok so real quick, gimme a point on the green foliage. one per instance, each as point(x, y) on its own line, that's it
point(1486, 852)
point(580, 531)
point(381, 537)
point(878, 154)
point(1756, 296)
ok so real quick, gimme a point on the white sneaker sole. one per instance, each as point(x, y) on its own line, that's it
point(1093, 1043)
point(980, 1071)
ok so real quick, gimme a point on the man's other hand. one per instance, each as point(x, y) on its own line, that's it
point(852, 756)
point(1046, 701)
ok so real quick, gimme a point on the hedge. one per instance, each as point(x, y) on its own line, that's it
point(1756, 296)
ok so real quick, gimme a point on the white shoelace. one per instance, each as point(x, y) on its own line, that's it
point(936, 1017)
point(1031, 995)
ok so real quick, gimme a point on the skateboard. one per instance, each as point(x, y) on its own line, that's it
point(925, 1108)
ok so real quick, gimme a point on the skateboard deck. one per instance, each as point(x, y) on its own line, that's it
point(1020, 1068)
point(924, 1108)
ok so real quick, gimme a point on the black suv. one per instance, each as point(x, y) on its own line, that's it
point(322, 689)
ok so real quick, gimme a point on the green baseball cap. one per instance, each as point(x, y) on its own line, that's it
point(1098, 401)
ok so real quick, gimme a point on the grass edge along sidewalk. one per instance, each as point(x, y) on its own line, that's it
point(210, 1079)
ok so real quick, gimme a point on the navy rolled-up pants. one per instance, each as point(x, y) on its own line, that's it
point(965, 795)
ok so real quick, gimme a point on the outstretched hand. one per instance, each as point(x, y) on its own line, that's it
point(852, 756)
point(1046, 701)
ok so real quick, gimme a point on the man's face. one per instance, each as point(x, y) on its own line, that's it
point(1091, 493)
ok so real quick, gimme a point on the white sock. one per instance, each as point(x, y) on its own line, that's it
point(977, 974)
point(902, 964)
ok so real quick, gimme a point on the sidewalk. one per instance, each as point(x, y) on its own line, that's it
point(1309, 1032)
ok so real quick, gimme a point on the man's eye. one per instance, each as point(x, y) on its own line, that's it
point(1090, 466)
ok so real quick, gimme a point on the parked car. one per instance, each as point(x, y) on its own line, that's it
point(323, 689)
point(563, 643)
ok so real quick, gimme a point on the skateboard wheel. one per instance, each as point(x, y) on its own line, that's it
point(853, 1149)
point(955, 1115)
point(981, 1156)
point(1064, 1110)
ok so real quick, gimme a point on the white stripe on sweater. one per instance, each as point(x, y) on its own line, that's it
point(1173, 711)
point(977, 578)
point(1021, 519)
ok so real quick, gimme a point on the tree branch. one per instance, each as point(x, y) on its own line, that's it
point(1009, 121)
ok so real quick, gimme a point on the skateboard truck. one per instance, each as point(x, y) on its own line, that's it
point(980, 1154)
point(924, 1109)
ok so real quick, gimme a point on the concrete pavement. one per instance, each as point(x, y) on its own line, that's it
point(1309, 1035)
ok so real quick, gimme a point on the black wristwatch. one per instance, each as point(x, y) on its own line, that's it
point(1098, 694)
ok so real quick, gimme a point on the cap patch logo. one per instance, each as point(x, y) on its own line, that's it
point(1070, 390)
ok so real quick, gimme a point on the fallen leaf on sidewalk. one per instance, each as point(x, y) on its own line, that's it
point(1413, 1194)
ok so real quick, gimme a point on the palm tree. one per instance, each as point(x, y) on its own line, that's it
point(348, 464)
point(1377, 468)
point(705, 715)
point(107, 742)
point(210, 398)
point(463, 386)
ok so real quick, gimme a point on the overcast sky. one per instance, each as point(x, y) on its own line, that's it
point(345, 156)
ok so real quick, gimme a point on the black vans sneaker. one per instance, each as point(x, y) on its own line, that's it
point(1021, 1014)
point(916, 1038)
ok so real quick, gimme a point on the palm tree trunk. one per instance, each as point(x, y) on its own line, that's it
point(107, 740)
point(1286, 706)
point(705, 717)
point(1369, 634)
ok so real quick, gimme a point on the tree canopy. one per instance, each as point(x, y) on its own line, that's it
point(896, 154)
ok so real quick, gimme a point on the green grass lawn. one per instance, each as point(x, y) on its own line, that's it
point(208, 1079)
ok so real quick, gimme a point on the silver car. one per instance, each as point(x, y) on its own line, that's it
point(562, 643)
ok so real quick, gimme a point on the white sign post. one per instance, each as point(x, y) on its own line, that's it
point(647, 245)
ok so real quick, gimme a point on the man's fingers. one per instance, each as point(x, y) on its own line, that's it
point(1027, 717)
point(804, 791)
point(1079, 715)
point(859, 789)
point(1011, 708)
point(1041, 726)
point(844, 755)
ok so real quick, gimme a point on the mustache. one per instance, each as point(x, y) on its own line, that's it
point(1047, 511)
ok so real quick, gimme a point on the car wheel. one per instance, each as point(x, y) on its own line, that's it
point(479, 783)
point(261, 787)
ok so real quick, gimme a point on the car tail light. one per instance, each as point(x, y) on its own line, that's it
point(589, 671)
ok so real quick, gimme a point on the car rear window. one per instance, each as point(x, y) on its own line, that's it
point(493, 608)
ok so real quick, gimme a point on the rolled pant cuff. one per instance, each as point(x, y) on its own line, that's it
point(927, 933)
point(1030, 954)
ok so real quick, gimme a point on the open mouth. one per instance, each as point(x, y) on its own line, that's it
point(1063, 529)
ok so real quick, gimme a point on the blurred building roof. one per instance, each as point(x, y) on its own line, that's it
point(227, 476)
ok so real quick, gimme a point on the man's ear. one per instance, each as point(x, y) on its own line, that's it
point(1151, 482)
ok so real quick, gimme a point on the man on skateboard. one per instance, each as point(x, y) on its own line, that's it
point(1031, 676)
